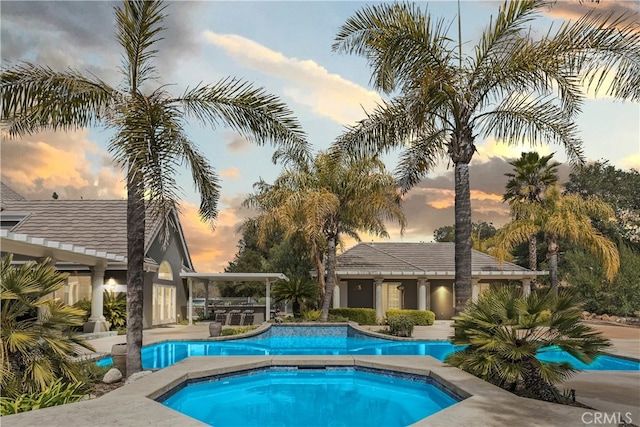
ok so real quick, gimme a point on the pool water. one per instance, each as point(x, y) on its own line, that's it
point(287, 396)
point(333, 340)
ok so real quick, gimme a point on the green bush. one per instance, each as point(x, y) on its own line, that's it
point(236, 331)
point(335, 318)
point(419, 317)
point(400, 325)
point(115, 310)
point(56, 394)
point(363, 316)
point(311, 315)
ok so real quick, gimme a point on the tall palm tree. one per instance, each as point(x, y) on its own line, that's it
point(531, 177)
point(561, 216)
point(149, 142)
point(332, 197)
point(516, 86)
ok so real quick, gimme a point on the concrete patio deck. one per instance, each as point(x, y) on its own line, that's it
point(615, 395)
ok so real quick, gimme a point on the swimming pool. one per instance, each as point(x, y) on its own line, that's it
point(292, 396)
point(332, 340)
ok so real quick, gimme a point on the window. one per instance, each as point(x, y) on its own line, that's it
point(165, 272)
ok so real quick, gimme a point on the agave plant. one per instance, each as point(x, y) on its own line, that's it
point(37, 348)
point(505, 330)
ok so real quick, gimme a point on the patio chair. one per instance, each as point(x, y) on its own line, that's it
point(235, 317)
point(221, 316)
point(247, 317)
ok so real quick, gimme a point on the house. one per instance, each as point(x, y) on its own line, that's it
point(415, 276)
point(88, 240)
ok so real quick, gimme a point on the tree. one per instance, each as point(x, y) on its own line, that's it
point(149, 141)
point(561, 216)
point(531, 176)
point(332, 197)
point(296, 290)
point(36, 351)
point(516, 86)
point(618, 188)
point(505, 330)
point(446, 233)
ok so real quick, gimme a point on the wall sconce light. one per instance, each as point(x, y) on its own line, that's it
point(111, 283)
point(358, 287)
point(400, 287)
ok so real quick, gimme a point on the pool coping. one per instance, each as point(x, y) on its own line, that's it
point(134, 404)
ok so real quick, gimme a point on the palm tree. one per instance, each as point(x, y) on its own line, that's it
point(505, 330)
point(532, 175)
point(149, 141)
point(36, 351)
point(515, 86)
point(297, 290)
point(561, 216)
point(333, 197)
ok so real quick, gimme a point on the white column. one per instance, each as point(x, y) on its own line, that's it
point(526, 287)
point(97, 322)
point(428, 292)
point(422, 294)
point(475, 288)
point(336, 295)
point(378, 294)
point(205, 313)
point(267, 312)
point(190, 305)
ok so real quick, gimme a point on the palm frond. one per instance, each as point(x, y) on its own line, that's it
point(250, 111)
point(36, 98)
point(139, 24)
point(537, 121)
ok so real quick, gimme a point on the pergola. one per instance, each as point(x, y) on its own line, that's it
point(233, 277)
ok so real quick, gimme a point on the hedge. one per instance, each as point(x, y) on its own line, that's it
point(400, 325)
point(363, 316)
point(419, 317)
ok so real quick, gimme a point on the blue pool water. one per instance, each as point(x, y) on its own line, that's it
point(332, 340)
point(311, 397)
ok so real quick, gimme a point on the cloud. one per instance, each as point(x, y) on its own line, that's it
point(63, 162)
point(238, 144)
point(81, 35)
point(308, 83)
point(631, 162)
point(575, 10)
point(231, 173)
point(212, 250)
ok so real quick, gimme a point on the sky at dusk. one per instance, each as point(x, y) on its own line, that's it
point(286, 48)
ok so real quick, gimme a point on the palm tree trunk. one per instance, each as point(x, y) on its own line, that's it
point(533, 256)
point(317, 259)
point(462, 284)
point(552, 255)
point(331, 279)
point(135, 271)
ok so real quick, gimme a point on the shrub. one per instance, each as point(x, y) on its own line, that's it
point(363, 316)
point(56, 394)
point(115, 310)
point(419, 317)
point(337, 318)
point(400, 325)
point(504, 330)
point(312, 315)
point(236, 331)
point(36, 351)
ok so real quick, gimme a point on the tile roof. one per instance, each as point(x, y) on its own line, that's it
point(93, 224)
point(7, 193)
point(416, 257)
